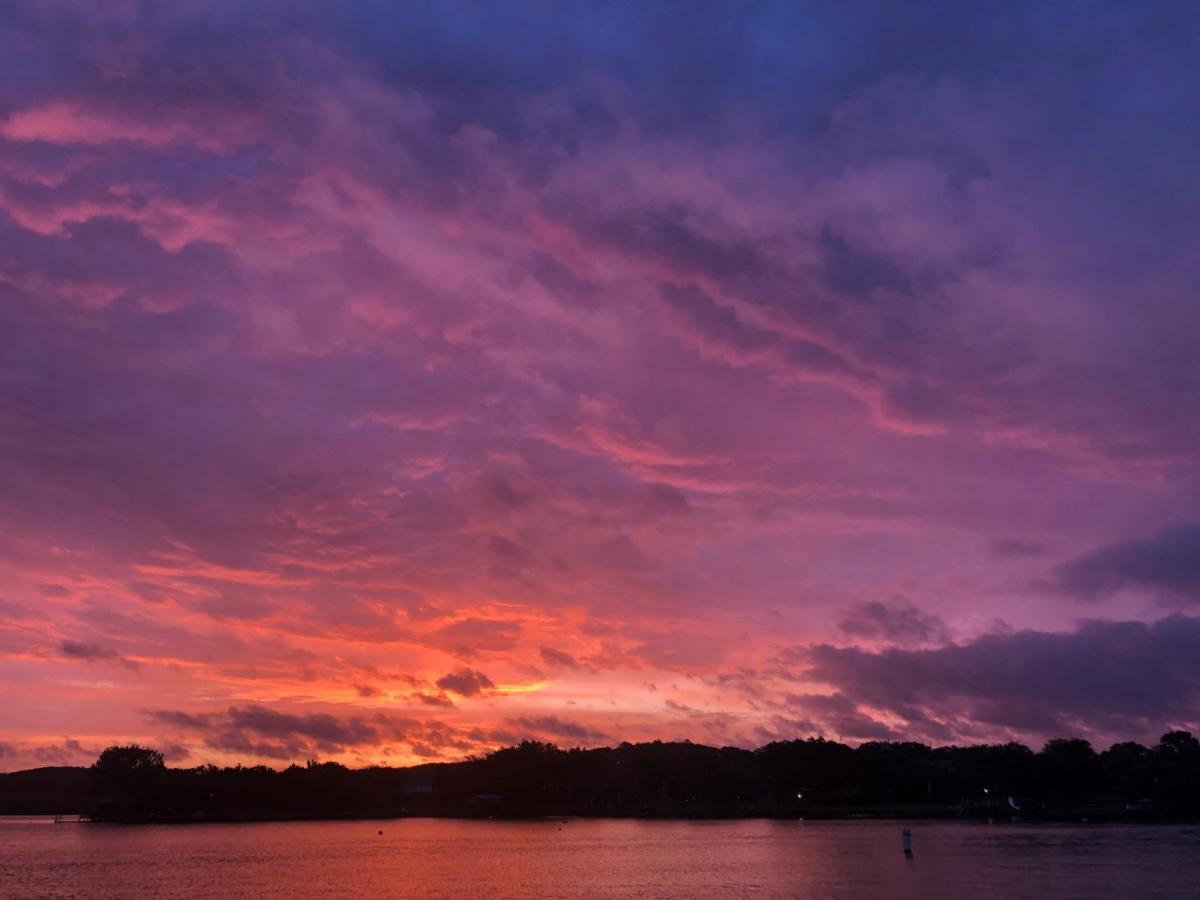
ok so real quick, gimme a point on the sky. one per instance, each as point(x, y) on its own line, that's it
point(390, 382)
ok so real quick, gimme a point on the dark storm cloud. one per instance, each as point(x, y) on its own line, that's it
point(1167, 564)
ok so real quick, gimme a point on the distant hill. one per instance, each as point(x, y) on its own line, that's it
point(46, 791)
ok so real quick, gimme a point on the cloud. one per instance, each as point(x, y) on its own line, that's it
point(1167, 565)
point(263, 732)
point(835, 714)
point(466, 682)
point(1103, 678)
point(554, 727)
point(322, 727)
point(342, 336)
point(176, 753)
point(472, 635)
point(181, 719)
point(17, 755)
point(435, 700)
point(91, 652)
point(899, 623)
point(69, 752)
point(1015, 548)
point(554, 657)
point(65, 123)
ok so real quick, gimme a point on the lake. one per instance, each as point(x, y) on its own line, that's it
point(597, 858)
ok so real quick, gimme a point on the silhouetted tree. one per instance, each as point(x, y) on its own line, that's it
point(128, 759)
point(1180, 745)
point(809, 777)
point(1128, 770)
point(126, 779)
point(1070, 769)
point(1176, 772)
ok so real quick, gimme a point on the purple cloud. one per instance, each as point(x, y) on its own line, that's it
point(1167, 564)
point(899, 623)
point(466, 682)
point(1102, 678)
point(342, 346)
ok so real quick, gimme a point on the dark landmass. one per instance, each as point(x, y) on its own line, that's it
point(47, 791)
point(1066, 780)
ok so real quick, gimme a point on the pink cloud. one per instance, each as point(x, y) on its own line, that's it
point(331, 375)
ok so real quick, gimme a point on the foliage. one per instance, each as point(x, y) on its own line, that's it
point(810, 777)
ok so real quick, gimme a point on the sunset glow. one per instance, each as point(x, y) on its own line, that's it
point(389, 386)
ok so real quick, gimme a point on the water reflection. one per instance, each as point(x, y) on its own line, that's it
point(590, 858)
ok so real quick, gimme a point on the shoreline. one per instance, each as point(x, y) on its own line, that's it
point(564, 818)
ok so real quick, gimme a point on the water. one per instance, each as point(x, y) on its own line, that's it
point(597, 858)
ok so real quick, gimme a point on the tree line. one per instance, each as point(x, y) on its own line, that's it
point(815, 777)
